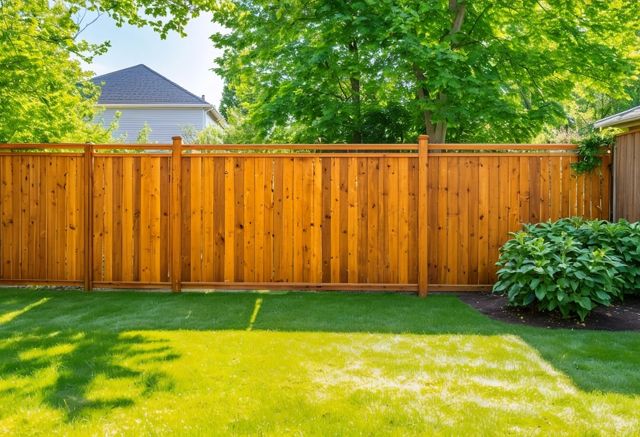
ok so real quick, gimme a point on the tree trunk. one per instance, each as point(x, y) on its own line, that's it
point(438, 132)
point(356, 135)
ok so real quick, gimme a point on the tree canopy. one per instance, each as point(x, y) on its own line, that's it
point(386, 70)
point(44, 94)
point(346, 71)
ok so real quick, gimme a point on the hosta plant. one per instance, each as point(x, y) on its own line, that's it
point(557, 272)
point(621, 239)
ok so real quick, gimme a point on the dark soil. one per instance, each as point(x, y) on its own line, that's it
point(622, 316)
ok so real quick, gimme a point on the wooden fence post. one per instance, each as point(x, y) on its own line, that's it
point(88, 217)
point(176, 215)
point(423, 198)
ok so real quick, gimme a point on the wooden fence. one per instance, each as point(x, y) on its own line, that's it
point(626, 171)
point(371, 217)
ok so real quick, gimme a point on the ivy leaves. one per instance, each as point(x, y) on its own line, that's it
point(590, 151)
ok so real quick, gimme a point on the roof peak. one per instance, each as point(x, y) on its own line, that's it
point(142, 84)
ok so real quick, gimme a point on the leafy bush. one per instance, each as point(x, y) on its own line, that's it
point(621, 239)
point(570, 265)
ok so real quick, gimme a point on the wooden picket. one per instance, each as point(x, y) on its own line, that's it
point(343, 217)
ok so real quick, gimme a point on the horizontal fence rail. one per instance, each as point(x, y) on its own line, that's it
point(305, 216)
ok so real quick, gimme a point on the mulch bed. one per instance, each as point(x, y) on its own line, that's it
point(623, 316)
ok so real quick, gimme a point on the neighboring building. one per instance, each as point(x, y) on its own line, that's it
point(143, 95)
point(629, 119)
point(626, 163)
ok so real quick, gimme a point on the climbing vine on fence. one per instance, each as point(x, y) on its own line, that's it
point(590, 151)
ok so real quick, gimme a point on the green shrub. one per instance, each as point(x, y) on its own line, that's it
point(570, 265)
point(557, 273)
point(621, 239)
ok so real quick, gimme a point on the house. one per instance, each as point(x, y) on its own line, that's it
point(629, 119)
point(626, 163)
point(142, 95)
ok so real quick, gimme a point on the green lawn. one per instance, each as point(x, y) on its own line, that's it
point(306, 364)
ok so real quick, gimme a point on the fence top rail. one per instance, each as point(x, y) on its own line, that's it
point(339, 147)
point(499, 147)
point(80, 146)
point(224, 149)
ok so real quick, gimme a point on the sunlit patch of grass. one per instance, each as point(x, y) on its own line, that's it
point(312, 364)
point(9, 316)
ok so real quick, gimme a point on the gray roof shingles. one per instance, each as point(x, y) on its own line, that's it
point(141, 85)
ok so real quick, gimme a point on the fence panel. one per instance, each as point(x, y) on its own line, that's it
point(327, 221)
point(42, 221)
point(379, 217)
point(131, 219)
point(479, 200)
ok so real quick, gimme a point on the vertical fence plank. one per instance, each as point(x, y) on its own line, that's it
point(335, 220)
point(88, 218)
point(326, 220)
point(473, 212)
point(278, 219)
point(286, 240)
point(248, 222)
point(176, 214)
point(403, 222)
point(443, 207)
point(413, 217)
point(195, 219)
point(423, 204)
point(219, 219)
point(343, 255)
point(259, 223)
point(483, 236)
point(352, 222)
point(462, 235)
point(229, 220)
point(306, 204)
point(316, 223)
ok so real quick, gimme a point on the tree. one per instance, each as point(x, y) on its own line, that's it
point(212, 134)
point(143, 135)
point(228, 101)
point(485, 70)
point(44, 94)
point(310, 73)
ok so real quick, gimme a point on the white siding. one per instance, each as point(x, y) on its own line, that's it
point(164, 122)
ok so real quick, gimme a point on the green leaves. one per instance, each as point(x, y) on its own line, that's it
point(590, 151)
point(571, 265)
point(44, 94)
point(509, 71)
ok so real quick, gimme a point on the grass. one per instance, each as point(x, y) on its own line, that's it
point(315, 364)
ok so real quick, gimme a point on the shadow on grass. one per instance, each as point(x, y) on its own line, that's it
point(78, 355)
point(91, 327)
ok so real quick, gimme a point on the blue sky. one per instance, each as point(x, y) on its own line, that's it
point(186, 61)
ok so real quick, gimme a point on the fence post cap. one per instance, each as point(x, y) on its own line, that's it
point(177, 138)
